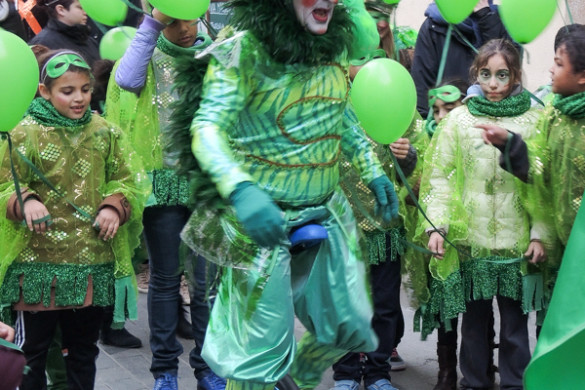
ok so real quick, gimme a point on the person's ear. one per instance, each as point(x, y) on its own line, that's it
point(581, 78)
point(60, 10)
point(44, 91)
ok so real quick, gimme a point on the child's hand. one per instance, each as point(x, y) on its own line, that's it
point(400, 148)
point(535, 252)
point(6, 332)
point(435, 245)
point(107, 222)
point(493, 135)
point(37, 216)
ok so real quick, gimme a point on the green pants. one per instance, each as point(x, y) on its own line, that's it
point(250, 337)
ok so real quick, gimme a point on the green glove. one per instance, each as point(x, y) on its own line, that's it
point(386, 199)
point(262, 218)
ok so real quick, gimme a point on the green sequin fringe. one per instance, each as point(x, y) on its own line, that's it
point(70, 288)
point(446, 303)
point(170, 189)
point(377, 249)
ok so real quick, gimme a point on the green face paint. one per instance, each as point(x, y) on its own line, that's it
point(378, 16)
point(502, 76)
point(57, 65)
point(446, 93)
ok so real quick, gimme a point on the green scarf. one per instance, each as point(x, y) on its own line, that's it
point(47, 115)
point(275, 25)
point(572, 106)
point(170, 49)
point(508, 107)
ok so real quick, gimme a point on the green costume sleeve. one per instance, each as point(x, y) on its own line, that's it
point(223, 98)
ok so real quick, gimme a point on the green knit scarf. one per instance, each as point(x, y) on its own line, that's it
point(170, 49)
point(47, 115)
point(275, 25)
point(508, 107)
point(572, 106)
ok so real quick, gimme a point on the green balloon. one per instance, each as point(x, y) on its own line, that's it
point(108, 12)
point(456, 11)
point(181, 9)
point(391, 1)
point(115, 42)
point(525, 19)
point(384, 98)
point(19, 78)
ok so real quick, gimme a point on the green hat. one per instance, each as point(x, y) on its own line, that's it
point(380, 6)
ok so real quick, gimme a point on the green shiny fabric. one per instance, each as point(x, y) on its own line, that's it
point(557, 362)
point(465, 192)
point(251, 332)
point(86, 165)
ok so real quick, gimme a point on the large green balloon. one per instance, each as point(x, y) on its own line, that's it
point(525, 19)
point(181, 9)
point(456, 11)
point(115, 42)
point(19, 78)
point(108, 12)
point(384, 99)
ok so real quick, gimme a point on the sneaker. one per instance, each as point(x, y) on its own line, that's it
point(185, 296)
point(166, 382)
point(346, 384)
point(381, 384)
point(120, 338)
point(396, 362)
point(211, 382)
point(143, 278)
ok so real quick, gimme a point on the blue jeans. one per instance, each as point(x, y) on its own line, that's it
point(162, 228)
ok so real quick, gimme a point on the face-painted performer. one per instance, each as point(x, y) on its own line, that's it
point(273, 120)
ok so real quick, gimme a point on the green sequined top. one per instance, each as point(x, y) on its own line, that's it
point(86, 164)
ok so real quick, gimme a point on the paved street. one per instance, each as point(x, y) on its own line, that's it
point(128, 369)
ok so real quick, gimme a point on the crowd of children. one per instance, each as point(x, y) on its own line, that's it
point(263, 151)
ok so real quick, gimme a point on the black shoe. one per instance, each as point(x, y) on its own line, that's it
point(184, 329)
point(120, 338)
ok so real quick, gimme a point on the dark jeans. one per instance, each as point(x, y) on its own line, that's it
point(200, 275)
point(476, 350)
point(388, 323)
point(80, 331)
point(162, 228)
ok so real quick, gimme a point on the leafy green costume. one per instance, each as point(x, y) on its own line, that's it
point(275, 112)
point(465, 192)
point(557, 171)
point(86, 160)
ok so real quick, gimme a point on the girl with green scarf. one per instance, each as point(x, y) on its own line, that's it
point(476, 205)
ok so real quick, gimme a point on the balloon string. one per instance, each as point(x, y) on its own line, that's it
point(561, 13)
point(444, 55)
point(465, 40)
point(135, 8)
point(569, 11)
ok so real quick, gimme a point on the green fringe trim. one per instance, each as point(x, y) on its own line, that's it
point(376, 245)
point(484, 278)
point(169, 188)
point(70, 288)
point(446, 302)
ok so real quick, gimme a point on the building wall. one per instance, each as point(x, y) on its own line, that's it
point(540, 54)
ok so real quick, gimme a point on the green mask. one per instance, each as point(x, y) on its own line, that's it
point(446, 93)
point(57, 65)
point(378, 53)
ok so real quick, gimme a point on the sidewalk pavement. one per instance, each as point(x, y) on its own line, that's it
point(128, 369)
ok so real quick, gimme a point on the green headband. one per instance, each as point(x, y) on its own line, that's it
point(57, 65)
point(446, 93)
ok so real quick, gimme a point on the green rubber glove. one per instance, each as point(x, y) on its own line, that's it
point(262, 218)
point(386, 199)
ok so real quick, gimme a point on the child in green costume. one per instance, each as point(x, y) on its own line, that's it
point(73, 205)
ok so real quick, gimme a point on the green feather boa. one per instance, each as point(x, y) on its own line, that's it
point(275, 25)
